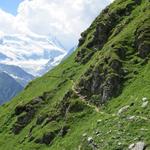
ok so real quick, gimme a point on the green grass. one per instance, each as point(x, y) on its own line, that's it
point(115, 132)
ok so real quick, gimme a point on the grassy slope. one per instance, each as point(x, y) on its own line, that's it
point(113, 129)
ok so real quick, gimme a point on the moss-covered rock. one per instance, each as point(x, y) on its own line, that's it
point(142, 40)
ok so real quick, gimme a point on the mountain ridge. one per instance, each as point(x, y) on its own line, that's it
point(17, 73)
point(9, 87)
point(13, 79)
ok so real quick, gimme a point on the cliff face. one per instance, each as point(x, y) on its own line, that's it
point(105, 79)
point(98, 98)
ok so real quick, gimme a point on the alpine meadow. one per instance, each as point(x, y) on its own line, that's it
point(98, 98)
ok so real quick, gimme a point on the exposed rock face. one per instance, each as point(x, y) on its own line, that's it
point(64, 131)
point(23, 120)
point(142, 40)
point(103, 80)
point(84, 55)
point(25, 114)
point(111, 88)
point(19, 110)
point(106, 22)
point(47, 137)
point(41, 119)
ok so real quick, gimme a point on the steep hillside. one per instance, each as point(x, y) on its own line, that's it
point(9, 87)
point(98, 98)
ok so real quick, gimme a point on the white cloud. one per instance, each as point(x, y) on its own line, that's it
point(29, 52)
point(65, 19)
point(24, 38)
point(6, 21)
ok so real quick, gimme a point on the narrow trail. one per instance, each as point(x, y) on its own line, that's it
point(83, 98)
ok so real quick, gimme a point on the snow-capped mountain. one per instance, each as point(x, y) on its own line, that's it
point(55, 61)
point(23, 55)
point(18, 74)
point(51, 64)
point(30, 52)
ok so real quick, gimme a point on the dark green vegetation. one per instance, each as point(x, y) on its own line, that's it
point(9, 87)
point(98, 98)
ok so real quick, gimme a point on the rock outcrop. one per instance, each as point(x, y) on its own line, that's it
point(103, 80)
point(25, 114)
point(104, 25)
point(47, 137)
point(142, 41)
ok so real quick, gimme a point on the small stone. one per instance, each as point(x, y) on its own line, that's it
point(145, 103)
point(137, 146)
point(142, 129)
point(90, 139)
point(84, 134)
point(123, 109)
point(113, 115)
point(98, 121)
point(143, 118)
point(131, 118)
point(131, 146)
point(144, 99)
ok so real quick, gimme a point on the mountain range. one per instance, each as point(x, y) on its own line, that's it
point(98, 98)
point(22, 77)
point(9, 87)
point(13, 79)
point(30, 52)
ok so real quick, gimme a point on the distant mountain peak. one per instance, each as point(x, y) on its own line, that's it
point(9, 87)
point(17, 73)
point(30, 52)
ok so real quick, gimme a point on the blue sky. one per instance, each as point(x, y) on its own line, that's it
point(10, 5)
